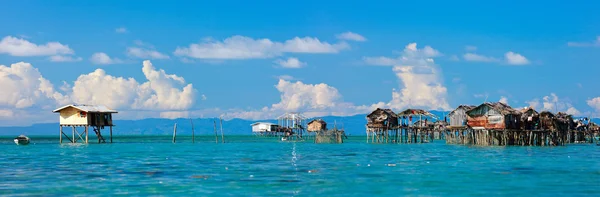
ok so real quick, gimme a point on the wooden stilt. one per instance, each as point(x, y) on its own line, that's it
point(86, 134)
point(174, 132)
point(193, 137)
point(111, 134)
point(73, 130)
point(215, 129)
point(60, 134)
point(223, 136)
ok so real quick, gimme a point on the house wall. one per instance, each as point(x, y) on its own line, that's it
point(71, 116)
point(261, 127)
point(100, 119)
point(458, 117)
point(486, 117)
point(315, 126)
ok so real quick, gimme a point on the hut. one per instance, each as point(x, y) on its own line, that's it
point(458, 116)
point(316, 125)
point(379, 124)
point(263, 128)
point(85, 116)
point(494, 115)
point(546, 120)
point(382, 118)
point(530, 119)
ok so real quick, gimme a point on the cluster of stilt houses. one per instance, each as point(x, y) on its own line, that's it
point(491, 123)
point(294, 127)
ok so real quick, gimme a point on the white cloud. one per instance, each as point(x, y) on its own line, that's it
point(473, 57)
point(503, 99)
point(121, 30)
point(5, 113)
point(61, 58)
point(351, 36)
point(410, 55)
point(594, 43)
point(515, 58)
point(553, 103)
point(160, 92)
point(145, 53)
point(420, 78)
point(291, 62)
point(241, 47)
point(595, 104)
point(21, 47)
point(285, 77)
point(24, 86)
point(103, 58)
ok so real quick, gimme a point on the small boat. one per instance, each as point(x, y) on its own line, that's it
point(22, 140)
point(284, 138)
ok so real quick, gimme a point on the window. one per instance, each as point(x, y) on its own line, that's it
point(82, 114)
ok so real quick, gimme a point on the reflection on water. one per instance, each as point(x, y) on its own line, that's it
point(250, 166)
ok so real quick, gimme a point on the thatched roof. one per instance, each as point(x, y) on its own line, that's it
point(415, 112)
point(529, 111)
point(378, 111)
point(546, 114)
point(317, 120)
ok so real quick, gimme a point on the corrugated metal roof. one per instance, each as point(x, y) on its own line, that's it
point(266, 123)
point(88, 108)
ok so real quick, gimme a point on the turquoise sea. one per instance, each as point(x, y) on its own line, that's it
point(258, 166)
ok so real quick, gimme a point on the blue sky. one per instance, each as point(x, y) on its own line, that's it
point(552, 64)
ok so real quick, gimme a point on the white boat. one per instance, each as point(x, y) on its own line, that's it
point(283, 138)
point(22, 140)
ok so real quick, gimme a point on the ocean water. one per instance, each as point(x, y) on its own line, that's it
point(255, 166)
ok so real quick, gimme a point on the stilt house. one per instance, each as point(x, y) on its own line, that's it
point(85, 116)
point(495, 116)
point(317, 125)
point(458, 117)
point(382, 119)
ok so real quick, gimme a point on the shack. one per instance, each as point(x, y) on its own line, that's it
point(530, 119)
point(263, 128)
point(85, 116)
point(379, 124)
point(494, 115)
point(458, 116)
point(317, 125)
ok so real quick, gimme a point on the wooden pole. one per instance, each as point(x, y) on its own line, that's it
point(174, 132)
point(222, 135)
point(110, 134)
point(61, 134)
point(73, 130)
point(193, 137)
point(86, 134)
point(215, 129)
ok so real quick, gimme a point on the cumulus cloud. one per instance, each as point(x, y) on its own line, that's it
point(420, 87)
point(553, 103)
point(143, 53)
point(103, 59)
point(24, 86)
point(594, 43)
point(121, 30)
point(160, 92)
point(241, 47)
point(21, 47)
point(515, 58)
point(420, 77)
point(351, 36)
point(61, 58)
point(473, 57)
point(291, 62)
point(595, 104)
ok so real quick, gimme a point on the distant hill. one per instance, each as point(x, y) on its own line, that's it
point(354, 125)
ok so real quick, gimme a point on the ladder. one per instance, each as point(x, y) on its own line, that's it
point(100, 138)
